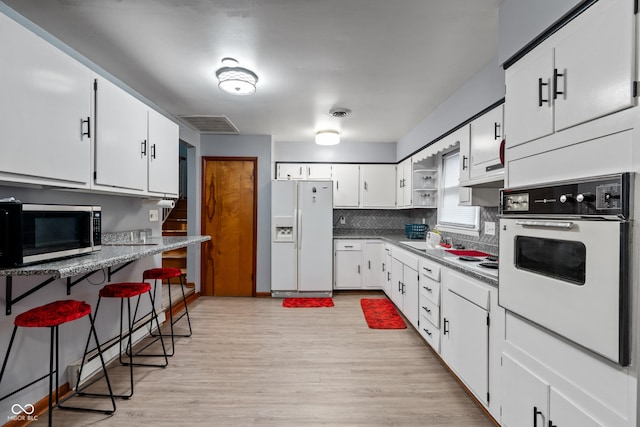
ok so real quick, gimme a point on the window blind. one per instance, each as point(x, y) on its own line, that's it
point(450, 213)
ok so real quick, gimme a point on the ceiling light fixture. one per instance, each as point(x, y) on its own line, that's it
point(234, 79)
point(327, 137)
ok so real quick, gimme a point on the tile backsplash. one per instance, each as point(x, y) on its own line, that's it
point(391, 221)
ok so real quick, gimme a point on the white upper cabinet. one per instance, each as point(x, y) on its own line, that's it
point(121, 145)
point(584, 71)
point(45, 111)
point(163, 155)
point(404, 182)
point(291, 171)
point(320, 171)
point(377, 186)
point(346, 186)
point(484, 146)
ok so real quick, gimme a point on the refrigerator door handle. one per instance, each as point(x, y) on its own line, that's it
point(300, 229)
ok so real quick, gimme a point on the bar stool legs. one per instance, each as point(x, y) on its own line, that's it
point(52, 315)
point(156, 274)
point(128, 291)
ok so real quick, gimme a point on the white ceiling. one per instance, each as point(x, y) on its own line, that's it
point(391, 62)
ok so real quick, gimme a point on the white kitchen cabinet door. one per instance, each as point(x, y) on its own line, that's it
point(121, 144)
point(346, 186)
point(347, 265)
point(563, 412)
point(291, 171)
point(386, 268)
point(319, 171)
point(411, 297)
point(404, 182)
point(595, 55)
point(397, 296)
point(524, 396)
point(45, 110)
point(163, 155)
point(528, 104)
point(486, 136)
point(374, 259)
point(465, 332)
point(378, 186)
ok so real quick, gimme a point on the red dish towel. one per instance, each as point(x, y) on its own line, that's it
point(465, 252)
point(381, 314)
point(307, 302)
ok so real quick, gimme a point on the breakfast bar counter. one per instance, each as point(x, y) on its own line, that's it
point(117, 253)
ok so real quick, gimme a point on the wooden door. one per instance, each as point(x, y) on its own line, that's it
point(229, 216)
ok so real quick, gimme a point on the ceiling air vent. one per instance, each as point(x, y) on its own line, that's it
point(211, 124)
point(339, 112)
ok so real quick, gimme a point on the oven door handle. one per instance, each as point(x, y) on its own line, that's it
point(564, 225)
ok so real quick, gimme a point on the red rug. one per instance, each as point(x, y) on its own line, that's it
point(381, 314)
point(307, 302)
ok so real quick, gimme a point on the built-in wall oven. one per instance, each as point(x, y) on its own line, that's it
point(564, 260)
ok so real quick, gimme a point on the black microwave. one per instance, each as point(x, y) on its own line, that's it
point(31, 233)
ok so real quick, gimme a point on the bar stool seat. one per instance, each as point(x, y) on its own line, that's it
point(168, 273)
point(51, 316)
point(126, 291)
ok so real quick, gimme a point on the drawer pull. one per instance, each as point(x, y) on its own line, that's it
point(428, 289)
point(427, 331)
point(427, 269)
point(426, 309)
point(348, 246)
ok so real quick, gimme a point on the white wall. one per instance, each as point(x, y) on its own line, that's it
point(345, 152)
point(479, 92)
point(250, 146)
point(521, 21)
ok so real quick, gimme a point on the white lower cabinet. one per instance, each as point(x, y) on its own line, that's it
point(429, 303)
point(404, 284)
point(386, 270)
point(359, 264)
point(530, 401)
point(465, 333)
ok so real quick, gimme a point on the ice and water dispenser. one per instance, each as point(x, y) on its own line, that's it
point(283, 229)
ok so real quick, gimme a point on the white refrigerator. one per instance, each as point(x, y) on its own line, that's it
point(301, 238)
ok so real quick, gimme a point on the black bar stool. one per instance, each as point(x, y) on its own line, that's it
point(167, 274)
point(127, 291)
point(51, 316)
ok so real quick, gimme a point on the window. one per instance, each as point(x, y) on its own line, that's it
point(454, 218)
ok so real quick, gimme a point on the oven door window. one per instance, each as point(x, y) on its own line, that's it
point(560, 259)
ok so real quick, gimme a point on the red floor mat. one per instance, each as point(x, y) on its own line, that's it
point(307, 302)
point(381, 314)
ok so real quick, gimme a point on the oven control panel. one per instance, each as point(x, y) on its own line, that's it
point(599, 196)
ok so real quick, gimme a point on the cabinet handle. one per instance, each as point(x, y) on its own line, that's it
point(445, 331)
point(535, 416)
point(383, 267)
point(369, 264)
point(540, 84)
point(88, 132)
point(388, 276)
point(464, 162)
point(496, 126)
point(337, 185)
point(428, 289)
point(428, 333)
point(366, 187)
point(399, 286)
point(143, 148)
point(426, 309)
point(308, 171)
point(551, 424)
point(556, 92)
point(153, 151)
point(358, 268)
point(348, 246)
point(403, 292)
point(428, 270)
point(300, 171)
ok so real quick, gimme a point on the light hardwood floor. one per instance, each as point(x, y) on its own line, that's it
point(252, 362)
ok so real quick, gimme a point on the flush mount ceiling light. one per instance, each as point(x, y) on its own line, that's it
point(327, 137)
point(234, 79)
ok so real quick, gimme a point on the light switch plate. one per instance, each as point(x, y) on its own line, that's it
point(153, 215)
point(490, 228)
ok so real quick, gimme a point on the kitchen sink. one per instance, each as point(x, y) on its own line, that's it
point(420, 245)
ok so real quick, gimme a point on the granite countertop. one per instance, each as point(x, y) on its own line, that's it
point(109, 255)
point(437, 255)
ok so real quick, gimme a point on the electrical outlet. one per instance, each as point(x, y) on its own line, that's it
point(490, 228)
point(342, 220)
point(153, 215)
